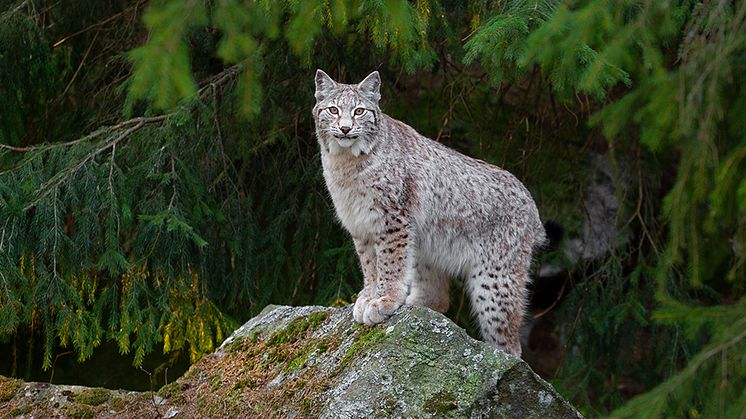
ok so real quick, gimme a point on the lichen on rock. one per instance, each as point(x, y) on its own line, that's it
point(317, 362)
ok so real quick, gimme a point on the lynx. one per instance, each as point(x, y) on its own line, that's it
point(420, 213)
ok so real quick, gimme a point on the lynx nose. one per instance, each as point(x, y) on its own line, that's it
point(345, 129)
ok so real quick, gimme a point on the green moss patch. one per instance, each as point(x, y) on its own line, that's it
point(8, 388)
point(170, 390)
point(21, 410)
point(364, 337)
point(297, 328)
point(79, 411)
point(441, 403)
point(117, 404)
point(92, 396)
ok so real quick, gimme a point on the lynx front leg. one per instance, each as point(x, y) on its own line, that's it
point(394, 260)
point(367, 255)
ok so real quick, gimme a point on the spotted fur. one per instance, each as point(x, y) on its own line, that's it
point(420, 213)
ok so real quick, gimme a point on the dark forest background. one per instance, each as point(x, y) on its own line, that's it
point(160, 180)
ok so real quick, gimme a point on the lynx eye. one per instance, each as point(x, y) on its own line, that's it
point(333, 110)
point(359, 111)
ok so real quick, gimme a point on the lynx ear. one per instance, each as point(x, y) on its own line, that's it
point(324, 85)
point(371, 87)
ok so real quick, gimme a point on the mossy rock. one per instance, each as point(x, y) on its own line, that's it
point(317, 362)
point(417, 364)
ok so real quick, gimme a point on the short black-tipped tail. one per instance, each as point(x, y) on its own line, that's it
point(553, 233)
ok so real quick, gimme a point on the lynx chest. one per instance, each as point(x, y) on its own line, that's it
point(356, 201)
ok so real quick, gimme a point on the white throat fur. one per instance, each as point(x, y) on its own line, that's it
point(354, 146)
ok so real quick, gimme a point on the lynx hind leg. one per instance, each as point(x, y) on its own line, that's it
point(430, 289)
point(497, 290)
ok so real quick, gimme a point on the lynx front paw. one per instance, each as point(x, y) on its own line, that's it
point(359, 310)
point(380, 309)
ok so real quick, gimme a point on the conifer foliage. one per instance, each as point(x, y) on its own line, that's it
point(159, 179)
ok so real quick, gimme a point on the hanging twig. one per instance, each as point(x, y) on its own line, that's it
point(152, 393)
point(80, 66)
point(103, 22)
point(54, 364)
point(463, 94)
point(569, 339)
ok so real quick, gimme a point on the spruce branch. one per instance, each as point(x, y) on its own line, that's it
point(227, 164)
point(56, 235)
point(2, 237)
point(53, 183)
point(95, 134)
point(15, 10)
point(660, 395)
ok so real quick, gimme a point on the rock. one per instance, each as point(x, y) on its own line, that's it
point(316, 362)
point(42, 400)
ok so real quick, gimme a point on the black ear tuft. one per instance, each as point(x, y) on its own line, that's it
point(370, 87)
point(324, 85)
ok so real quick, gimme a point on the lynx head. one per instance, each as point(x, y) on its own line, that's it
point(347, 115)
